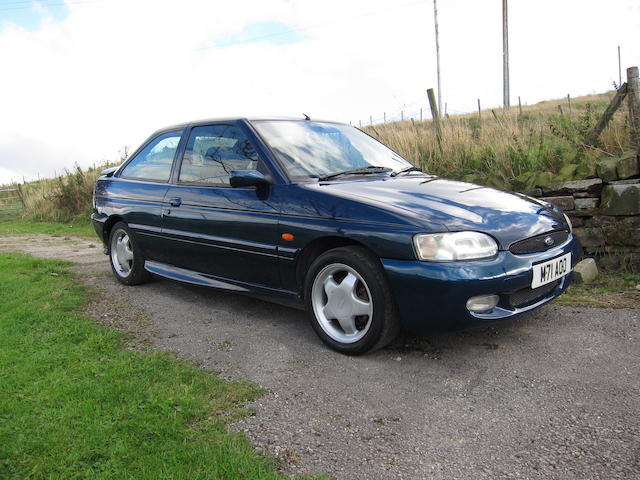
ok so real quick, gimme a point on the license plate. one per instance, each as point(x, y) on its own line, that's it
point(547, 272)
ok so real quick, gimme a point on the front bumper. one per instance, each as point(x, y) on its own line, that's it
point(432, 295)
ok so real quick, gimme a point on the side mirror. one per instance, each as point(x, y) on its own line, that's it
point(108, 172)
point(247, 178)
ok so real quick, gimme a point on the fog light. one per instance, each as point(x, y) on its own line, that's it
point(482, 303)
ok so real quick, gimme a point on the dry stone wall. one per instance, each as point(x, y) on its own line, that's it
point(605, 211)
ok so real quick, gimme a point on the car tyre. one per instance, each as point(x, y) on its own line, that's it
point(349, 301)
point(127, 262)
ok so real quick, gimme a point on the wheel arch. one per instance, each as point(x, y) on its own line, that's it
point(316, 248)
point(108, 225)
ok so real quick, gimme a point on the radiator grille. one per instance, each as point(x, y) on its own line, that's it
point(529, 296)
point(538, 244)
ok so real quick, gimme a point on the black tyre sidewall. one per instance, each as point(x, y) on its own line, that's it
point(138, 274)
point(385, 321)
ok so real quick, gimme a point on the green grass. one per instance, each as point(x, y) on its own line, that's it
point(23, 226)
point(607, 290)
point(75, 403)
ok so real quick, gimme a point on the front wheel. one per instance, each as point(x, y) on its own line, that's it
point(349, 301)
point(127, 263)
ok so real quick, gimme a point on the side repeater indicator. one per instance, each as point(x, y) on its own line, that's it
point(287, 236)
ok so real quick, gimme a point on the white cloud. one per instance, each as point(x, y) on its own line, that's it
point(114, 71)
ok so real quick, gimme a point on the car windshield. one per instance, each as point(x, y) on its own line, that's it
point(315, 150)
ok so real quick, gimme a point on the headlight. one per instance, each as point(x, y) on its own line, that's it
point(452, 246)
point(568, 220)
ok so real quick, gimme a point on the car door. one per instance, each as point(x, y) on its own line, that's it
point(211, 227)
point(138, 189)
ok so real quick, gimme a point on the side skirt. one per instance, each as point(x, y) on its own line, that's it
point(283, 297)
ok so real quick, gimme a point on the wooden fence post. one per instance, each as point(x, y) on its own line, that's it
point(21, 196)
point(606, 116)
point(436, 117)
point(633, 94)
point(519, 106)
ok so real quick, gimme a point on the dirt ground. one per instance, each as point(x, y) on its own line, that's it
point(554, 394)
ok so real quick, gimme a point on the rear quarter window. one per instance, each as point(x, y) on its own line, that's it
point(154, 161)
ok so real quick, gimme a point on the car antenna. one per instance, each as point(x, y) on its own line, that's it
point(306, 117)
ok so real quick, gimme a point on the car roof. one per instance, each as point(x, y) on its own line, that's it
point(180, 126)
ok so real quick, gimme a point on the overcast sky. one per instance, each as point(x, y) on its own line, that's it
point(80, 79)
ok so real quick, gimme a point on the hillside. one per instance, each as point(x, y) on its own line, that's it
point(518, 150)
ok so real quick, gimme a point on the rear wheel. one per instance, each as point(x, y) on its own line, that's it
point(127, 263)
point(349, 301)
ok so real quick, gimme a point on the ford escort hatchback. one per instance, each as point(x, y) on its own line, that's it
point(322, 216)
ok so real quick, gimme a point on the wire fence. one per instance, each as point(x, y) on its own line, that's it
point(417, 109)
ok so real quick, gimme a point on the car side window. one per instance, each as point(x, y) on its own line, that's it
point(215, 150)
point(155, 160)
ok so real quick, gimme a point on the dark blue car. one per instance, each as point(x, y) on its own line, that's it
point(322, 216)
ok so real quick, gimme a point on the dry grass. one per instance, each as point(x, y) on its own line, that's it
point(496, 148)
point(65, 198)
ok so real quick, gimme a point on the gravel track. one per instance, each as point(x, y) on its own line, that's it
point(555, 394)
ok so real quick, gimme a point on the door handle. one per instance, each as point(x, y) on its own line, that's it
point(175, 201)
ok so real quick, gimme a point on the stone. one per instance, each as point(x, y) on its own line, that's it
point(629, 181)
point(609, 262)
point(607, 169)
point(582, 213)
point(616, 250)
point(524, 181)
point(577, 221)
point(497, 181)
point(585, 195)
point(563, 203)
point(589, 237)
point(592, 186)
point(585, 271)
point(619, 231)
point(533, 192)
point(586, 203)
point(568, 172)
point(542, 178)
point(628, 166)
point(621, 200)
point(603, 221)
point(586, 170)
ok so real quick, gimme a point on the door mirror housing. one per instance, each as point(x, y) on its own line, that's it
point(247, 178)
point(108, 172)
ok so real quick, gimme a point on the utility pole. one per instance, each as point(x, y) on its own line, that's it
point(505, 55)
point(619, 69)
point(435, 16)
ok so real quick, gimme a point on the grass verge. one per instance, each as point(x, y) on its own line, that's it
point(76, 403)
point(608, 290)
point(24, 226)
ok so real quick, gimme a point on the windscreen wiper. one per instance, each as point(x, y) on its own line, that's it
point(356, 171)
point(405, 170)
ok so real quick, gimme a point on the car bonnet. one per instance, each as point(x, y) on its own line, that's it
point(508, 217)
